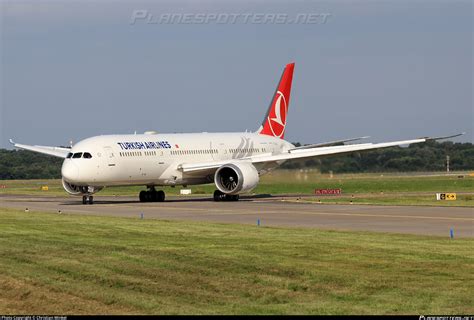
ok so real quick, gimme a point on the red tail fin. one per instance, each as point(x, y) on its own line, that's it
point(274, 123)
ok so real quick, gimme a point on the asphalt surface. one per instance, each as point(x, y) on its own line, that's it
point(272, 211)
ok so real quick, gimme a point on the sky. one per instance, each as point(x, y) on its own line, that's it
point(392, 70)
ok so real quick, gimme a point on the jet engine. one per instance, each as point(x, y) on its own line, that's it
point(79, 190)
point(234, 178)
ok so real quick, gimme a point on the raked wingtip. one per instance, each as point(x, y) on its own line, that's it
point(446, 137)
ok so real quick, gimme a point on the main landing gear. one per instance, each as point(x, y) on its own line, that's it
point(152, 195)
point(87, 199)
point(220, 196)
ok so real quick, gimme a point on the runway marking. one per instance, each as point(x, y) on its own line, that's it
point(215, 211)
point(389, 216)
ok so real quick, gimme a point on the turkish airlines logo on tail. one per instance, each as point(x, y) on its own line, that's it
point(274, 123)
point(277, 116)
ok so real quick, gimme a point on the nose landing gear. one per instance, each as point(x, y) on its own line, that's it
point(152, 195)
point(87, 199)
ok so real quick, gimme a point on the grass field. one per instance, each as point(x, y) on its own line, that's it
point(64, 264)
point(366, 188)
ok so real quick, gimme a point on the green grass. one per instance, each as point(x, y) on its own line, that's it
point(288, 181)
point(66, 264)
point(365, 187)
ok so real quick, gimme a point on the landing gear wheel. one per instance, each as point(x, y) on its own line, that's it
point(160, 196)
point(152, 196)
point(221, 196)
point(231, 197)
point(149, 196)
point(217, 195)
point(87, 199)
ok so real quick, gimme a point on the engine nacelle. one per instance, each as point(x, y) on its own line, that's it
point(234, 178)
point(79, 190)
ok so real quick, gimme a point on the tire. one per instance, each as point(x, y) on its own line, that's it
point(217, 195)
point(91, 200)
point(148, 196)
point(160, 196)
point(84, 199)
point(142, 196)
point(231, 197)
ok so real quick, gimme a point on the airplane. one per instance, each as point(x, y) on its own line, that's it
point(234, 162)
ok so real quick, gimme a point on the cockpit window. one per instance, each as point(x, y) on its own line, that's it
point(87, 155)
point(77, 155)
point(69, 155)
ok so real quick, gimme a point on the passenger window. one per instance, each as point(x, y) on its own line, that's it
point(69, 155)
point(77, 155)
point(87, 155)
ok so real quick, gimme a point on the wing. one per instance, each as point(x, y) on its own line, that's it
point(305, 153)
point(327, 144)
point(52, 151)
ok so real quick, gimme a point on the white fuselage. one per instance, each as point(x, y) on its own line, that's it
point(154, 159)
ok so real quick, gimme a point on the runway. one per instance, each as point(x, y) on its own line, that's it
point(271, 211)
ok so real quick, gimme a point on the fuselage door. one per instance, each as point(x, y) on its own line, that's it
point(109, 156)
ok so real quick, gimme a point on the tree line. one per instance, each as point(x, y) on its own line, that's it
point(429, 156)
point(22, 164)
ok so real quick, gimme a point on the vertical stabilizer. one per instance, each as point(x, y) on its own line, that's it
point(274, 123)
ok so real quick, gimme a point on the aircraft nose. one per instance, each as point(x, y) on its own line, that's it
point(70, 171)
